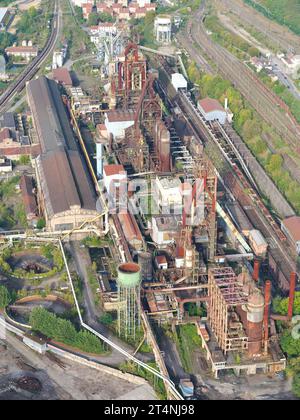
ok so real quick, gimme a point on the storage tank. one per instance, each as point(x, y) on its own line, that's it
point(255, 316)
point(129, 305)
point(129, 275)
point(145, 262)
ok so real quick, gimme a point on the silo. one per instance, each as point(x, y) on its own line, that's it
point(146, 264)
point(255, 316)
point(165, 150)
point(129, 283)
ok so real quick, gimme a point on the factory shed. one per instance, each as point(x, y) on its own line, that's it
point(291, 227)
point(258, 243)
point(29, 200)
point(165, 229)
point(212, 110)
point(131, 230)
point(8, 121)
point(66, 193)
point(116, 122)
point(63, 76)
point(113, 176)
point(179, 82)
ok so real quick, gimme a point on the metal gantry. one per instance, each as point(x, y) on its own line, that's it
point(225, 296)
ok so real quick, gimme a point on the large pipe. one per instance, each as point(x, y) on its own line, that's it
point(292, 295)
point(268, 287)
point(255, 274)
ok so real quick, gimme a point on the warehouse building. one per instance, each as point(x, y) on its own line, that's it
point(66, 193)
point(291, 227)
point(212, 110)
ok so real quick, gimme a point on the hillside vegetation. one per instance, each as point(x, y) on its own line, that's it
point(285, 12)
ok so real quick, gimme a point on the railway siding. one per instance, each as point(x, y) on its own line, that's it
point(268, 105)
point(264, 182)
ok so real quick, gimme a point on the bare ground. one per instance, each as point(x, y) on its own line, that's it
point(25, 375)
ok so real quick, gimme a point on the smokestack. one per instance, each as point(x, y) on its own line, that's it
point(255, 274)
point(292, 295)
point(268, 287)
point(226, 104)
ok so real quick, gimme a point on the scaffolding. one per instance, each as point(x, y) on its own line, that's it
point(129, 312)
point(206, 195)
point(129, 298)
point(225, 296)
point(132, 73)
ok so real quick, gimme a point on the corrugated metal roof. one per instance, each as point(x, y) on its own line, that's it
point(292, 224)
point(210, 105)
point(63, 173)
point(62, 75)
point(50, 117)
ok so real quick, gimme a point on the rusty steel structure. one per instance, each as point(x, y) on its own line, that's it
point(205, 172)
point(268, 297)
point(280, 257)
point(131, 77)
point(256, 270)
point(292, 295)
point(225, 296)
point(148, 108)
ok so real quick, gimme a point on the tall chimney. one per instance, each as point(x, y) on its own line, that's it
point(255, 274)
point(268, 287)
point(292, 295)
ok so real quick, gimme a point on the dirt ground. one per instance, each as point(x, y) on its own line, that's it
point(25, 375)
point(28, 4)
point(232, 387)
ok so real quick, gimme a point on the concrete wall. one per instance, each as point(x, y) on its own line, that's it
point(101, 368)
point(264, 182)
point(214, 115)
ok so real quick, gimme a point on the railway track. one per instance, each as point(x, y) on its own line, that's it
point(277, 34)
point(19, 84)
point(273, 110)
point(242, 191)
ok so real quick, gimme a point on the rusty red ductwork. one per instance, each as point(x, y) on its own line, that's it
point(268, 288)
point(292, 295)
point(256, 268)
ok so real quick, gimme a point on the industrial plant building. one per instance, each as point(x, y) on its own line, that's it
point(66, 193)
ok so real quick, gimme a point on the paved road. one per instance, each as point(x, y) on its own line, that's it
point(92, 312)
point(171, 356)
point(69, 381)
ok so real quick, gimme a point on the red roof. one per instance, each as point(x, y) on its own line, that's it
point(210, 105)
point(120, 116)
point(5, 134)
point(161, 259)
point(21, 49)
point(130, 227)
point(111, 170)
point(180, 252)
point(63, 76)
point(292, 224)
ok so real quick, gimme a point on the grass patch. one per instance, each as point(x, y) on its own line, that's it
point(187, 342)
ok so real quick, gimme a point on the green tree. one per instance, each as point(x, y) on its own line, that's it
point(106, 319)
point(289, 345)
point(106, 17)
point(280, 306)
point(5, 297)
point(296, 384)
point(93, 19)
point(41, 224)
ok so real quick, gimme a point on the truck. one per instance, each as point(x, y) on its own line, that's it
point(186, 387)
